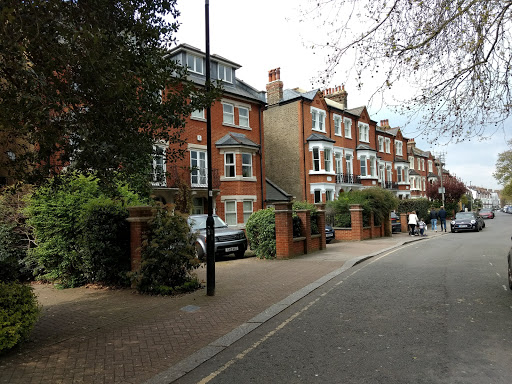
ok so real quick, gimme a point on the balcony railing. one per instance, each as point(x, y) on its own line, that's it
point(193, 178)
point(389, 185)
point(342, 178)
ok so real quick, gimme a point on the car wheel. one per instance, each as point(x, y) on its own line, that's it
point(240, 254)
point(199, 252)
point(477, 228)
point(483, 225)
point(452, 230)
point(509, 273)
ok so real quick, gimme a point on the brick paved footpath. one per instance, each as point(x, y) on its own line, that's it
point(89, 335)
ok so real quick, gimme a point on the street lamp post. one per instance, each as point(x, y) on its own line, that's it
point(210, 227)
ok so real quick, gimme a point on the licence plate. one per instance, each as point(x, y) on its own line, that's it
point(231, 249)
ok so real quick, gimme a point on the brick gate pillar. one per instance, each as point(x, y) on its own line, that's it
point(139, 224)
point(356, 218)
point(305, 227)
point(284, 230)
point(320, 209)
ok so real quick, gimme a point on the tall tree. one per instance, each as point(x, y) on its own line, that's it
point(503, 171)
point(454, 189)
point(87, 84)
point(454, 56)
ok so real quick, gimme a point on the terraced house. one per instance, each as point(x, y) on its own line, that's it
point(424, 168)
point(316, 147)
point(237, 165)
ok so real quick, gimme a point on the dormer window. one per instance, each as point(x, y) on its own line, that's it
point(225, 73)
point(195, 64)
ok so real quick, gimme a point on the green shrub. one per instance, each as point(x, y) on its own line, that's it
point(59, 215)
point(15, 235)
point(167, 256)
point(304, 205)
point(421, 206)
point(105, 242)
point(18, 314)
point(261, 233)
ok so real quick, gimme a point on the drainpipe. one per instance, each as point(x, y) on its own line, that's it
point(304, 152)
point(261, 161)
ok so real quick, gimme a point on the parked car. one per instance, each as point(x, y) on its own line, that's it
point(395, 223)
point(329, 234)
point(510, 268)
point(467, 221)
point(227, 240)
point(486, 214)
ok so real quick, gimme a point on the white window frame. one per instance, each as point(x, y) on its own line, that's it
point(319, 199)
point(317, 119)
point(347, 126)
point(399, 147)
point(338, 162)
point(373, 166)
point(198, 173)
point(327, 160)
point(225, 73)
point(363, 166)
point(329, 195)
point(230, 213)
point(337, 125)
point(316, 160)
point(227, 115)
point(422, 164)
point(364, 132)
point(349, 163)
point(246, 212)
point(389, 173)
point(241, 118)
point(430, 169)
point(159, 165)
point(381, 143)
point(198, 114)
point(411, 162)
point(245, 165)
point(387, 142)
point(194, 66)
point(229, 165)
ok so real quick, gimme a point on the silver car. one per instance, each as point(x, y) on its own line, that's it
point(227, 240)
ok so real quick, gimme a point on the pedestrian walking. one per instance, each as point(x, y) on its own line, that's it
point(442, 218)
point(433, 219)
point(412, 221)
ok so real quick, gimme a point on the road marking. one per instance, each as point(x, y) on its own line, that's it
point(243, 354)
point(505, 288)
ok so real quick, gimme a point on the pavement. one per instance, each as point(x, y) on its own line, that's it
point(99, 335)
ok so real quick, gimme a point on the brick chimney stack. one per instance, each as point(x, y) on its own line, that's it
point(274, 86)
point(384, 123)
point(337, 94)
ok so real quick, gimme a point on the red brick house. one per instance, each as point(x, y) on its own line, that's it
point(317, 147)
point(424, 168)
point(238, 174)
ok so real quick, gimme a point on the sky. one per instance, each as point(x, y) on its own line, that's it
point(267, 34)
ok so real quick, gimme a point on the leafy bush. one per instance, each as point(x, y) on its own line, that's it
point(168, 256)
point(15, 235)
point(304, 205)
point(11, 253)
point(261, 233)
point(421, 206)
point(69, 237)
point(374, 200)
point(105, 242)
point(18, 314)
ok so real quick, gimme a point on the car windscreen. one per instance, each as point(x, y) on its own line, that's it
point(464, 215)
point(198, 223)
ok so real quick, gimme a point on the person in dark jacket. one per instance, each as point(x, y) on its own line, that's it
point(433, 219)
point(442, 217)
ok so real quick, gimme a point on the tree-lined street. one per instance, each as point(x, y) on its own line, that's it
point(434, 311)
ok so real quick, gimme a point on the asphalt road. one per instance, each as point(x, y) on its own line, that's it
point(433, 311)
